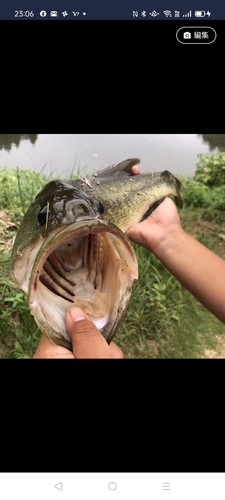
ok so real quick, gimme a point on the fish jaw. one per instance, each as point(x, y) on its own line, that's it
point(100, 282)
point(128, 199)
point(131, 201)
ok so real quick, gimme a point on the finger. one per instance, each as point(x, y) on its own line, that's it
point(135, 170)
point(87, 341)
point(47, 349)
point(115, 351)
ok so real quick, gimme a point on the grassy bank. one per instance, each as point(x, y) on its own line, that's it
point(163, 320)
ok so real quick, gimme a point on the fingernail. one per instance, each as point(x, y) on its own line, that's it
point(77, 314)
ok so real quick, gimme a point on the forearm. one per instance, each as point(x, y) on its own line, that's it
point(197, 268)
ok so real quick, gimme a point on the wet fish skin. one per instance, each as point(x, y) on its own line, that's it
point(99, 270)
point(64, 201)
point(127, 199)
point(107, 202)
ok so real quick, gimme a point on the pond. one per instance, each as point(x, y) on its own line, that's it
point(61, 154)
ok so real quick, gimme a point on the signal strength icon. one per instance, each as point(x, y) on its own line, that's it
point(167, 13)
point(188, 14)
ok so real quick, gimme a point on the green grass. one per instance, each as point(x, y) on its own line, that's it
point(162, 321)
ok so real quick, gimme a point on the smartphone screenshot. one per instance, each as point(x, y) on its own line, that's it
point(112, 249)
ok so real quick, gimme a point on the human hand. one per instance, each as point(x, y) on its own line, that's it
point(155, 230)
point(87, 341)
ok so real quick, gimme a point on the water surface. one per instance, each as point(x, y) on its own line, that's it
point(59, 154)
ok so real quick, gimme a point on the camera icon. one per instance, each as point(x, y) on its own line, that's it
point(187, 34)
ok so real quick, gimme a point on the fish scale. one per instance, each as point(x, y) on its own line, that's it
point(127, 198)
point(71, 246)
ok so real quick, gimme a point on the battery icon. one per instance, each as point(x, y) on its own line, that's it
point(200, 13)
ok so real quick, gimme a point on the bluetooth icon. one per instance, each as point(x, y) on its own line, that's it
point(143, 13)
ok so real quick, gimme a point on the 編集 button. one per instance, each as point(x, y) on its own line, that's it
point(197, 35)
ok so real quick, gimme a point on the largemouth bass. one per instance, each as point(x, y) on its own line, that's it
point(71, 246)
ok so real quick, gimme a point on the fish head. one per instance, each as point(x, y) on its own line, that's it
point(65, 253)
point(61, 203)
point(57, 205)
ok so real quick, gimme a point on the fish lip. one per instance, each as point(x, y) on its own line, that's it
point(58, 331)
point(77, 228)
point(84, 218)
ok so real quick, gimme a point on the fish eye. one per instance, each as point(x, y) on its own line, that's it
point(42, 214)
point(100, 208)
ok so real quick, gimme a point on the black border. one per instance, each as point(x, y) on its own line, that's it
point(112, 416)
point(131, 415)
point(109, 77)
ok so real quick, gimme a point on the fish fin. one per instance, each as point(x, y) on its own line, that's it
point(121, 166)
point(151, 209)
point(178, 201)
point(177, 184)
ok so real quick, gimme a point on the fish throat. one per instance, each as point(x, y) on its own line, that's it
point(77, 273)
point(92, 268)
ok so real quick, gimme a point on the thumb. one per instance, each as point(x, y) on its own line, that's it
point(87, 341)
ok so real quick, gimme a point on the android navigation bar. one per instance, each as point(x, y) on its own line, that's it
point(113, 486)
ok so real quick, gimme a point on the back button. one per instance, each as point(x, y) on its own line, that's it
point(58, 486)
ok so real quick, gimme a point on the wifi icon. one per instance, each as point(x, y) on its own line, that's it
point(167, 13)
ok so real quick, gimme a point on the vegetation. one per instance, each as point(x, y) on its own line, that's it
point(206, 190)
point(163, 320)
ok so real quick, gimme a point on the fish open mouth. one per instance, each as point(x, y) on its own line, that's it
point(92, 267)
point(78, 271)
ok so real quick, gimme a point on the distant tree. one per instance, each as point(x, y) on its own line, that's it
point(214, 141)
point(8, 140)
